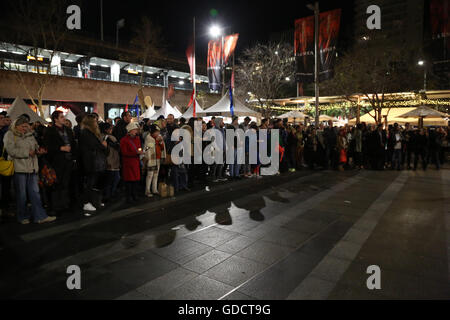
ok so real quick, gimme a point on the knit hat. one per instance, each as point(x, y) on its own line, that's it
point(132, 126)
point(21, 120)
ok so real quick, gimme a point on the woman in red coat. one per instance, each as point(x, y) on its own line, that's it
point(131, 150)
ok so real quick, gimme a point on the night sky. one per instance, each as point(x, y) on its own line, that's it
point(255, 21)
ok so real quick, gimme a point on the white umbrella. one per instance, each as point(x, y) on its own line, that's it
point(293, 114)
point(325, 117)
point(423, 112)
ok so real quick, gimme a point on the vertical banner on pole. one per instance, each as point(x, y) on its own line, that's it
point(304, 46)
point(214, 67)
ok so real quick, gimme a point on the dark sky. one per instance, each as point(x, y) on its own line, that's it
point(253, 20)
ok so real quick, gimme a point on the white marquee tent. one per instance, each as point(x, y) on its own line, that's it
point(222, 108)
point(190, 112)
point(19, 107)
point(148, 114)
point(165, 111)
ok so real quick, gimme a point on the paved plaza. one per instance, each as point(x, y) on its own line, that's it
point(306, 235)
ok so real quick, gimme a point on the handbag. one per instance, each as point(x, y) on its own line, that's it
point(6, 166)
point(47, 176)
point(162, 190)
point(343, 156)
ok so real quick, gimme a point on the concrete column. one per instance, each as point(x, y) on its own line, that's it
point(99, 107)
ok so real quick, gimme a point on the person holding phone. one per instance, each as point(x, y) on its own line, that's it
point(23, 150)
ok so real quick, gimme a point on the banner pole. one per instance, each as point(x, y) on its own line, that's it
point(194, 76)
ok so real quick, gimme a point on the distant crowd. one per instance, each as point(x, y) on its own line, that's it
point(92, 164)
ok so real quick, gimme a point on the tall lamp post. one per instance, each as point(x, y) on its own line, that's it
point(422, 64)
point(215, 32)
point(316, 10)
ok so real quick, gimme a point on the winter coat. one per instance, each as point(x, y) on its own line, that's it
point(113, 154)
point(92, 153)
point(150, 151)
point(18, 146)
point(53, 142)
point(120, 130)
point(131, 167)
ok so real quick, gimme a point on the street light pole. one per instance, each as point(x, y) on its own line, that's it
point(425, 79)
point(316, 63)
point(223, 65)
point(101, 19)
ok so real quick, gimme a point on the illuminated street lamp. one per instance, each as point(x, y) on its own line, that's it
point(422, 64)
point(215, 31)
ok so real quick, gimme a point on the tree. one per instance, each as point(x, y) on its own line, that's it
point(376, 69)
point(148, 41)
point(263, 71)
point(39, 25)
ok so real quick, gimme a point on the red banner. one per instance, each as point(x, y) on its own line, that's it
point(214, 64)
point(191, 60)
point(329, 25)
point(229, 46)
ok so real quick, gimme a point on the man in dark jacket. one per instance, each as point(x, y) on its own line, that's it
point(61, 148)
point(120, 130)
point(330, 135)
point(420, 150)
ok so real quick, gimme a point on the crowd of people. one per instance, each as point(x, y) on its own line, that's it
point(89, 165)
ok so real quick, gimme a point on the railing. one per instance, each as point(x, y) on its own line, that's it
point(106, 76)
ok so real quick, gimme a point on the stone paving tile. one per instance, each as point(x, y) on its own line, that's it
point(213, 236)
point(199, 288)
point(158, 287)
point(305, 225)
point(265, 252)
point(343, 292)
point(323, 216)
point(206, 261)
point(235, 270)
point(139, 269)
point(310, 289)
point(260, 231)
point(133, 295)
point(318, 246)
point(396, 285)
point(238, 296)
point(433, 246)
point(397, 260)
point(237, 244)
point(286, 237)
point(331, 269)
point(183, 250)
point(106, 286)
point(277, 282)
point(345, 250)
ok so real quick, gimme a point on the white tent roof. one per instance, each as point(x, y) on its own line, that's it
point(190, 112)
point(150, 112)
point(165, 111)
point(71, 116)
point(19, 107)
point(222, 108)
